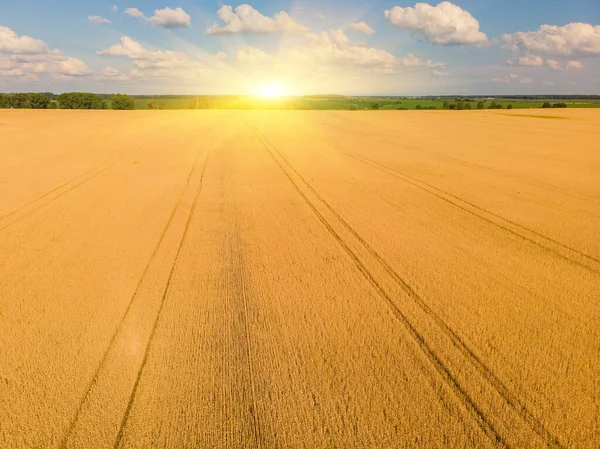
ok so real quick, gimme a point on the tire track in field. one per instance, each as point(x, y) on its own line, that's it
point(136, 385)
point(240, 277)
point(497, 171)
point(560, 250)
point(117, 330)
point(511, 400)
point(478, 415)
point(39, 203)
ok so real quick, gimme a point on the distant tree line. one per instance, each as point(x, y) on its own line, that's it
point(547, 105)
point(70, 100)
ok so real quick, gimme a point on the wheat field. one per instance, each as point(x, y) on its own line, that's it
point(271, 279)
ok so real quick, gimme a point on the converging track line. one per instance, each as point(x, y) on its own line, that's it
point(129, 305)
point(511, 400)
point(431, 189)
point(127, 413)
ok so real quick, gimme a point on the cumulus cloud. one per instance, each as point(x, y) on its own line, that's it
point(569, 65)
point(164, 18)
point(134, 12)
point(362, 27)
point(24, 58)
point(114, 8)
point(12, 43)
point(252, 55)
point(573, 38)
point(144, 58)
point(445, 23)
point(246, 19)
point(98, 19)
point(112, 74)
point(334, 48)
point(506, 78)
point(171, 18)
point(441, 72)
point(531, 61)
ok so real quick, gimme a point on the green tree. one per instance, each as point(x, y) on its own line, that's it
point(375, 106)
point(152, 104)
point(39, 101)
point(546, 105)
point(122, 102)
point(480, 105)
point(81, 100)
point(510, 106)
point(162, 105)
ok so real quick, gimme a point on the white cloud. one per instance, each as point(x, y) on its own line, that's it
point(246, 19)
point(98, 19)
point(442, 72)
point(569, 65)
point(321, 16)
point(575, 65)
point(548, 83)
point(506, 78)
point(334, 48)
point(531, 61)
point(134, 12)
point(112, 74)
point(252, 55)
point(573, 38)
point(114, 8)
point(525, 81)
point(445, 23)
point(362, 27)
point(144, 58)
point(170, 18)
point(12, 43)
point(23, 58)
point(164, 18)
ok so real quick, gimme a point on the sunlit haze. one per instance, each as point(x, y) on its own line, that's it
point(354, 47)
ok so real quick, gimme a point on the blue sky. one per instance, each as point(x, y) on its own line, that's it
point(303, 46)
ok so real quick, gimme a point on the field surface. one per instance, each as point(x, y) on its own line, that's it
point(265, 279)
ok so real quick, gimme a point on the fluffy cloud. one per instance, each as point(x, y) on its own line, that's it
point(12, 43)
point(445, 23)
point(170, 18)
point(23, 58)
point(246, 19)
point(114, 8)
point(573, 38)
point(134, 12)
point(164, 18)
point(98, 19)
point(112, 74)
point(321, 16)
point(253, 55)
point(531, 61)
point(362, 27)
point(512, 78)
point(144, 58)
point(569, 65)
point(334, 48)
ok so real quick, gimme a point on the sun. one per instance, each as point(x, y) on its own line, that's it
point(271, 91)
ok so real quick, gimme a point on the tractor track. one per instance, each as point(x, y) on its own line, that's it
point(126, 415)
point(568, 253)
point(509, 399)
point(117, 330)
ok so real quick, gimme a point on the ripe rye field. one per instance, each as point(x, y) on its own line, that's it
point(268, 279)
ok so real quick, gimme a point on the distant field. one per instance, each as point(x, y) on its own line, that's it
point(299, 279)
point(344, 103)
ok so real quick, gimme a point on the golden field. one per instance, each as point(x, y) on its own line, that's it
point(269, 279)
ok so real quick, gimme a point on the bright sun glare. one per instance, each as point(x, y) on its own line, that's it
point(271, 91)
